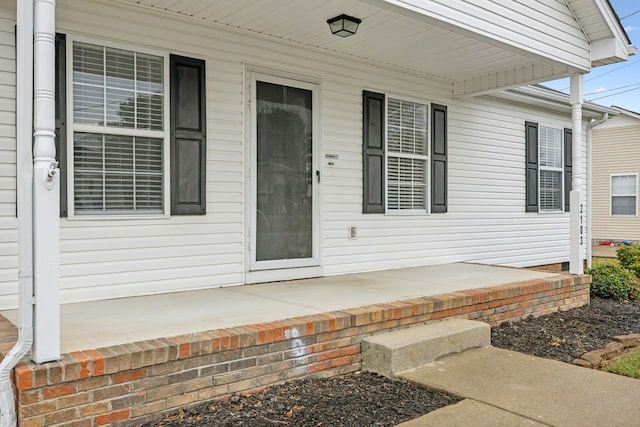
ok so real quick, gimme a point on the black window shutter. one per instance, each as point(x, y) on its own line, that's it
point(568, 139)
point(438, 158)
point(61, 117)
point(531, 177)
point(373, 114)
point(188, 136)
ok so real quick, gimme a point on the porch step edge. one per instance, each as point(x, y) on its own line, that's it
point(389, 353)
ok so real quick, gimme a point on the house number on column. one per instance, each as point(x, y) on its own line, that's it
point(581, 224)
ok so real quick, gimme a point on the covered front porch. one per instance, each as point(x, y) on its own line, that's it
point(464, 53)
point(130, 360)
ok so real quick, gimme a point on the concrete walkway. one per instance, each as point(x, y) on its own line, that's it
point(506, 388)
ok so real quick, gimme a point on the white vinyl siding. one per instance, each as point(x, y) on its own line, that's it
point(8, 220)
point(7, 116)
point(119, 130)
point(407, 156)
point(550, 147)
point(624, 194)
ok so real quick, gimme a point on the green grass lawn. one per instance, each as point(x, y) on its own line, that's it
point(628, 364)
point(603, 261)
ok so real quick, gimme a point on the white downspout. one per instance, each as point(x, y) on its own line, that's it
point(46, 188)
point(24, 179)
point(577, 226)
point(592, 123)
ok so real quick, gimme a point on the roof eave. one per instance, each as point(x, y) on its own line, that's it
point(549, 98)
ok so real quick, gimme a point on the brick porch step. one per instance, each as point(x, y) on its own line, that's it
point(389, 353)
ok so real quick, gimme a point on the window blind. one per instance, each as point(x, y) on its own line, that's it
point(117, 171)
point(551, 168)
point(406, 155)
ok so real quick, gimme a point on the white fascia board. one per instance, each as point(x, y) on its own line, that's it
point(625, 112)
point(506, 79)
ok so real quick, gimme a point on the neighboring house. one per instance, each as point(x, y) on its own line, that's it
point(206, 144)
point(616, 166)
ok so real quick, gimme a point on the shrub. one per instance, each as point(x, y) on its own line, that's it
point(629, 257)
point(613, 281)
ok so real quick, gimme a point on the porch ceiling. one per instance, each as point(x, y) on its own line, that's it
point(473, 65)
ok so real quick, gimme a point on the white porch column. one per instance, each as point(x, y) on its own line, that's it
point(577, 227)
point(46, 189)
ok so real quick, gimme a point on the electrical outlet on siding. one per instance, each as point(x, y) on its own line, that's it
point(353, 232)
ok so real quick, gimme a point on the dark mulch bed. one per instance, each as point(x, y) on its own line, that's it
point(362, 399)
point(357, 399)
point(567, 335)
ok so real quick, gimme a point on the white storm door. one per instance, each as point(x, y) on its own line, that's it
point(284, 220)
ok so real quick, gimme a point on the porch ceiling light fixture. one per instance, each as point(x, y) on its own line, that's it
point(343, 25)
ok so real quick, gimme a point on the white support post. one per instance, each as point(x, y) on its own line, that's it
point(46, 190)
point(577, 226)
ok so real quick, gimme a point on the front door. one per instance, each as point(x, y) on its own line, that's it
point(283, 229)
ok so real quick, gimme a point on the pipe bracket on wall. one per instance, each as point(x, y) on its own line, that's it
point(53, 171)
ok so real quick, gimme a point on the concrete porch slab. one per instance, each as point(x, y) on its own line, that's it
point(97, 324)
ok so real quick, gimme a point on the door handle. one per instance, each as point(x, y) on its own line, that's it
point(318, 175)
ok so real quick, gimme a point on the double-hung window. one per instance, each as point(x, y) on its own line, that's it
point(130, 131)
point(624, 194)
point(404, 156)
point(119, 128)
point(551, 168)
point(407, 156)
point(548, 168)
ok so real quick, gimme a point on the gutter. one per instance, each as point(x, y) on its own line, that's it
point(551, 98)
point(592, 123)
point(24, 204)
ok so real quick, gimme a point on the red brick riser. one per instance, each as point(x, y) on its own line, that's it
point(139, 382)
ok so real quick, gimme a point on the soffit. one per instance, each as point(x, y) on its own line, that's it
point(591, 20)
point(598, 19)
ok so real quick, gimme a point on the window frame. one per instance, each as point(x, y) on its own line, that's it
point(73, 127)
point(561, 169)
point(611, 195)
point(425, 158)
